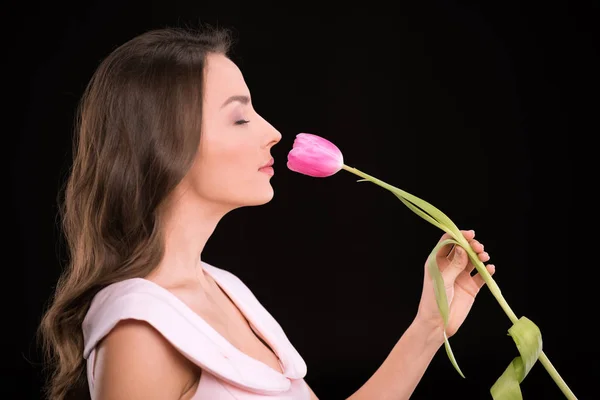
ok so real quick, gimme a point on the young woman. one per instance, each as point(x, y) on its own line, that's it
point(168, 142)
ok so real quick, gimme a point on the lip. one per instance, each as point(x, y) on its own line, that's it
point(268, 170)
point(268, 164)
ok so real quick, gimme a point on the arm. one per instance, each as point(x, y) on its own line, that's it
point(402, 370)
point(134, 361)
point(313, 396)
point(400, 373)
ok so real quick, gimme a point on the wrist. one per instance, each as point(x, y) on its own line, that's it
point(433, 332)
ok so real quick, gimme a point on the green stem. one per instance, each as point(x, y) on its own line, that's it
point(556, 377)
point(490, 283)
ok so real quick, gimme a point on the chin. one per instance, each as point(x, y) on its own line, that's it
point(264, 198)
point(255, 199)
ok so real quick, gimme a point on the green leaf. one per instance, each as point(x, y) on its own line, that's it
point(435, 213)
point(440, 295)
point(420, 212)
point(431, 210)
point(451, 355)
point(507, 386)
point(528, 338)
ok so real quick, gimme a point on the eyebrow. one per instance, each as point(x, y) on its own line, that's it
point(241, 99)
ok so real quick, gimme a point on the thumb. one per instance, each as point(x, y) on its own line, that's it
point(458, 263)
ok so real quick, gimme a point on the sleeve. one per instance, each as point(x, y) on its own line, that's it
point(184, 329)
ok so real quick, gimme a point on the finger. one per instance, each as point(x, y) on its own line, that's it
point(479, 249)
point(457, 264)
point(450, 252)
point(470, 267)
point(479, 280)
point(469, 235)
point(447, 250)
point(476, 246)
point(484, 257)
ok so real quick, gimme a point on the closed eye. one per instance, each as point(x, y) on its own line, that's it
point(241, 122)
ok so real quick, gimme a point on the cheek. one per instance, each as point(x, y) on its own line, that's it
point(221, 159)
point(226, 154)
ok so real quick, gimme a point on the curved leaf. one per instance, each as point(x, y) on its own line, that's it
point(438, 215)
point(421, 213)
point(528, 338)
point(439, 289)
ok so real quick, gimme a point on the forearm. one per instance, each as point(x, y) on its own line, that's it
point(400, 373)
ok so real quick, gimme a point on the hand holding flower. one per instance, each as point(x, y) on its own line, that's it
point(461, 287)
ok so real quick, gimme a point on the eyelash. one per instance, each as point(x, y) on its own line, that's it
point(241, 122)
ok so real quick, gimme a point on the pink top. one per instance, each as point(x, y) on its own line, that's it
point(227, 372)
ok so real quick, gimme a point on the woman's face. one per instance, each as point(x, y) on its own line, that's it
point(234, 144)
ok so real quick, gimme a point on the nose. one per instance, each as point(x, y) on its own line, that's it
point(272, 135)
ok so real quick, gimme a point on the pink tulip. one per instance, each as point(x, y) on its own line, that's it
point(314, 156)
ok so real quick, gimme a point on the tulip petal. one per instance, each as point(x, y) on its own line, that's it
point(311, 141)
point(314, 156)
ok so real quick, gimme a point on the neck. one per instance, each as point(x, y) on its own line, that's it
point(188, 224)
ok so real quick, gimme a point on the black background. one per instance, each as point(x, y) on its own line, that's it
point(471, 107)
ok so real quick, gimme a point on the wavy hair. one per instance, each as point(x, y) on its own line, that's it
point(137, 133)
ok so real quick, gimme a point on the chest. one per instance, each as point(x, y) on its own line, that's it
point(227, 319)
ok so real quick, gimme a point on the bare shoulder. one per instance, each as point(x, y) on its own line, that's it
point(134, 361)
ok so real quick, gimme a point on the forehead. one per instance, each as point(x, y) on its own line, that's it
point(222, 79)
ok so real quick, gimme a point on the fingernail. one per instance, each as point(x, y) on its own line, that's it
point(472, 231)
point(458, 251)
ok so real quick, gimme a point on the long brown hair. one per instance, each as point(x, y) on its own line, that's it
point(137, 133)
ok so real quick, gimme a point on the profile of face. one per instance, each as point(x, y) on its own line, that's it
point(235, 142)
